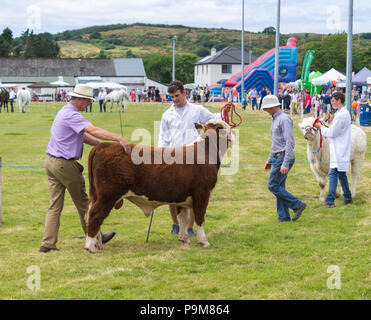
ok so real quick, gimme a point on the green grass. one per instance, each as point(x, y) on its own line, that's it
point(251, 255)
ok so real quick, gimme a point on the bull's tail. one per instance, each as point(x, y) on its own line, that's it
point(92, 190)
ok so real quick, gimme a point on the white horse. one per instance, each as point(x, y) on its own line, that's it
point(23, 100)
point(118, 96)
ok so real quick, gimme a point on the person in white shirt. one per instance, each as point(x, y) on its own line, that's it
point(11, 99)
point(102, 94)
point(294, 101)
point(177, 128)
point(339, 133)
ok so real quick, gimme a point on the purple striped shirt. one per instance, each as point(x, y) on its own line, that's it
point(282, 132)
point(67, 133)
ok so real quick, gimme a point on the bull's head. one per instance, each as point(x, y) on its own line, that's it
point(221, 128)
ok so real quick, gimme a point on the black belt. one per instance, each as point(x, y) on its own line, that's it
point(50, 155)
point(277, 154)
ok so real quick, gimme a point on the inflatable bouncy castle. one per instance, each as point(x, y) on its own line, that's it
point(260, 73)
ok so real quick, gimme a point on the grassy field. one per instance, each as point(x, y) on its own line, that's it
point(252, 256)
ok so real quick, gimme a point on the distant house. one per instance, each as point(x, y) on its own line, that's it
point(219, 65)
point(22, 72)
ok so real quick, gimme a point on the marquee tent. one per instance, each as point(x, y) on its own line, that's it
point(331, 75)
point(360, 79)
point(108, 85)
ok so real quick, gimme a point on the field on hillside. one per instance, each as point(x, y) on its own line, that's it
point(251, 256)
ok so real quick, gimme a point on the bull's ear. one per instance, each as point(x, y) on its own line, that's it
point(199, 127)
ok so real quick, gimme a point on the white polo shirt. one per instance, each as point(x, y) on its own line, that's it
point(177, 124)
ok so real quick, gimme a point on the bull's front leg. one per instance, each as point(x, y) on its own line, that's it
point(200, 202)
point(201, 237)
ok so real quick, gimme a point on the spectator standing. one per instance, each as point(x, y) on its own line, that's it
point(307, 102)
point(263, 93)
point(102, 94)
point(132, 95)
point(12, 96)
point(254, 98)
point(244, 100)
point(355, 108)
point(294, 101)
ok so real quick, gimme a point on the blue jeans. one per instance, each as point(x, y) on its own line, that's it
point(277, 185)
point(254, 103)
point(333, 176)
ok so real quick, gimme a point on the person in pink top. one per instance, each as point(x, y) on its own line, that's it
point(69, 131)
point(307, 102)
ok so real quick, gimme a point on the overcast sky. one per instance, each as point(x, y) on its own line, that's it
point(317, 16)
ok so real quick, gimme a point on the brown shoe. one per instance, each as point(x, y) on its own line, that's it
point(328, 205)
point(108, 236)
point(348, 202)
point(45, 249)
point(299, 211)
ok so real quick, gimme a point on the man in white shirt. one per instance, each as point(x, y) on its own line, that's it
point(339, 133)
point(177, 128)
point(11, 99)
point(102, 94)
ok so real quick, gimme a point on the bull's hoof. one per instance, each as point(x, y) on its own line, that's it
point(204, 244)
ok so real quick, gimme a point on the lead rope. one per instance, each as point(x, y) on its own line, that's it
point(224, 113)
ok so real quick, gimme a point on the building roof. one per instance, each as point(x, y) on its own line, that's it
point(228, 55)
point(129, 67)
point(52, 67)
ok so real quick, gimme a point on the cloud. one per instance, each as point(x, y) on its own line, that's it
point(305, 16)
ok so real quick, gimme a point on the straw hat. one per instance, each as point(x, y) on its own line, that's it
point(82, 91)
point(270, 101)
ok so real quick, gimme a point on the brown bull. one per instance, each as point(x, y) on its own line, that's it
point(150, 177)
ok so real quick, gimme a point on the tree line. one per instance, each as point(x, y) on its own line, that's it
point(28, 45)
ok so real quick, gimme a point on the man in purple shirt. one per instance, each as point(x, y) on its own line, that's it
point(281, 159)
point(69, 131)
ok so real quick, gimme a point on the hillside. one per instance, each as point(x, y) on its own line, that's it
point(144, 40)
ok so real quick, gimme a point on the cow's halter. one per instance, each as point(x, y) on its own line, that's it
point(320, 141)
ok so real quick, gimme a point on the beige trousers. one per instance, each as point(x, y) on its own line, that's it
point(63, 174)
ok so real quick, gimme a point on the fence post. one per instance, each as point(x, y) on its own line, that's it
point(1, 209)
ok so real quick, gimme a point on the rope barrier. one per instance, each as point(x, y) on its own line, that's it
point(223, 164)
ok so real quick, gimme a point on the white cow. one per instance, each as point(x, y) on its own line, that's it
point(118, 96)
point(319, 157)
point(23, 100)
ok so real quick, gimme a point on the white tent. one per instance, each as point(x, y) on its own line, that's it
point(108, 85)
point(331, 75)
point(8, 85)
point(60, 83)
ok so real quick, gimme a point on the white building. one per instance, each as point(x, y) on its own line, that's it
point(219, 65)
